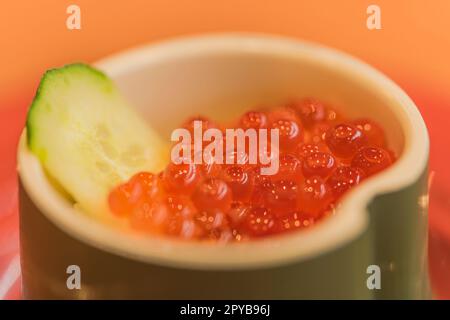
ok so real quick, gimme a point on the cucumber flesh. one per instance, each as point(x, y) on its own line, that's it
point(87, 137)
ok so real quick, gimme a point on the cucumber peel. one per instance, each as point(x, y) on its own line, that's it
point(87, 137)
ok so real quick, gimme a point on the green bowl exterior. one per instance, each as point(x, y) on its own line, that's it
point(395, 240)
point(399, 227)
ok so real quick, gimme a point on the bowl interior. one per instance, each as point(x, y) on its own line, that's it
point(222, 82)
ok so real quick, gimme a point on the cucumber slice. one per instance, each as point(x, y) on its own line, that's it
point(87, 137)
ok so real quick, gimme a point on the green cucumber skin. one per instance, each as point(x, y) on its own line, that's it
point(46, 80)
point(87, 137)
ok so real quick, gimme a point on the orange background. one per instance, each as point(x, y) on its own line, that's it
point(413, 44)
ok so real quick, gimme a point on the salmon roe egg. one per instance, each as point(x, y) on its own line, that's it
point(213, 194)
point(259, 222)
point(372, 160)
point(281, 196)
point(262, 183)
point(148, 183)
point(211, 169)
point(372, 130)
point(314, 196)
point(318, 164)
point(238, 212)
point(150, 216)
point(181, 219)
point(292, 221)
point(254, 120)
point(344, 140)
point(290, 133)
point(123, 198)
point(240, 182)
point(182, 177)
point(343, 179)
point(317, 132)
point(289, 167)
point(310, 111)
point(211, 220)
point(306, 149)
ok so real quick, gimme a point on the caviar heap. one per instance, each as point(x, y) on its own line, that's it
point(322, 155)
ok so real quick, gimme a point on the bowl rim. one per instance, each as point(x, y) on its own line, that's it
point(330, 234)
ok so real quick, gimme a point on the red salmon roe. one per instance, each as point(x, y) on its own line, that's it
point(290, 133)
point(290, 167)
point(373, 132)
point(344, 140)
point(372, 160)
point(318, 164)
point(343, 179)
point(332, 116)
point(181, 177)
point(292, 221)
point(238, 212)
point(306, 149)
point(259, 222)
point(150, 216)
point(181, 218)
point(281, 196)
point(314, 196)
point(321, 156)
point(211, 220)
point(240, 182)
point(254, 120)
point(213, 194)
point(318, 132)
point(123, 198)
point(310, 111)
point(148, 183)
point(211, 169)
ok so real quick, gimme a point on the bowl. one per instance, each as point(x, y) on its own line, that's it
point(373, 247)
